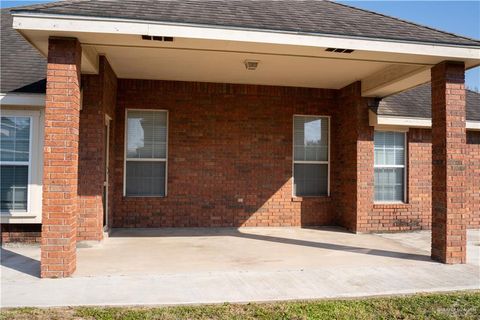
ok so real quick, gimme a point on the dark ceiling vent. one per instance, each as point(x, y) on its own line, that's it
point(157, 38)
point(339, 50)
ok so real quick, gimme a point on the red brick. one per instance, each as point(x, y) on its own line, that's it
point(60, 189)
point(449, 182)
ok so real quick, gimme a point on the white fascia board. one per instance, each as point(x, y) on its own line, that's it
point(410, 122)
point(65, 23)
point(22, 99)
point(381, 120)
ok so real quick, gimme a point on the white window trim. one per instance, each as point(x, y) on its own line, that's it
point(310, 162)
point(143, 159)
point(22, 99)
point(404, 166)
point(35, 165)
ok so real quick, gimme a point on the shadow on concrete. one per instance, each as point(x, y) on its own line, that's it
point(234, 232)
point(20, 263)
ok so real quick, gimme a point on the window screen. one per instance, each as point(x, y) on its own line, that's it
point(311, 156)
point(15, 163)
point(389, 166)
point(146, 160)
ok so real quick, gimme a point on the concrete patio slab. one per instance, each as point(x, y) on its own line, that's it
point(191, 266)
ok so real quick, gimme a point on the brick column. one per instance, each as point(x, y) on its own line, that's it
point(353, 160)
point(62, 108)
point(448, 163)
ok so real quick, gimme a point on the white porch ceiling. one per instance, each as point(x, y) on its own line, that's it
point(228, 67)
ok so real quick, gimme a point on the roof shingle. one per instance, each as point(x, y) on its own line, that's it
point(23, 68)
point(417, 102)
point(307, 16)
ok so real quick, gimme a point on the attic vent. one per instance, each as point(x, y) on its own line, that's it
point(339, 50)
point(157, 38)
point(251, 64)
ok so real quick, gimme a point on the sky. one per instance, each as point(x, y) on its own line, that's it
point(460, 17)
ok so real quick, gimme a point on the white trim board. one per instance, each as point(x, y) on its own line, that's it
point(410, 122)
point(68, 23)
point(22, 99)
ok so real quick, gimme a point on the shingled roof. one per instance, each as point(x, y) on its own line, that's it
point(306, 17)
point(23, 68)
point(416, 103)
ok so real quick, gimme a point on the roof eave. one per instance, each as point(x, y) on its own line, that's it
point(27, 13)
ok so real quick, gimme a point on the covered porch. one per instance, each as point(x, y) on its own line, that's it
point(208, 265)
point(96, 72)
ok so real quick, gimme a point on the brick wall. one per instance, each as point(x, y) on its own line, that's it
point(344, 162)
point(24, 233)
point(473, 179)
point(416, 213)
point(230, 155)
point(230, 160)
point(353, 165)
point(99, 95)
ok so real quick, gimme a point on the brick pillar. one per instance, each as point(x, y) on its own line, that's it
point(448, 163)
point(352, 160)
point(62, 107)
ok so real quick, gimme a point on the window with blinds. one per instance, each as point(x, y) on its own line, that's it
point(146, 153)
point(14, 163)
point(389, 166)
point(310, 156)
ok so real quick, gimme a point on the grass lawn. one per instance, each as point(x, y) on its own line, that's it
point(461, 305)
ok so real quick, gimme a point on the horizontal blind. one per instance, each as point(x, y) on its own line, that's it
point(389, 166)
point(146, 156)
point(389, 148)
point(13, 188)
point(15, 139)
point(310, 138)
point(146, 135)
point(310, 148)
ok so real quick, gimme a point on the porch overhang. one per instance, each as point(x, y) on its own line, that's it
point(206, 53)
point(388, 121)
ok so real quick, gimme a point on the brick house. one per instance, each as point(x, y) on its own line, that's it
point(149, 114)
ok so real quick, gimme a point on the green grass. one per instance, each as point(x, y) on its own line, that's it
point(462, 305)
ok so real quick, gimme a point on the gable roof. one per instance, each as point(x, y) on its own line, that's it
point(305, 17)
point(23, 68)
point(416, 103)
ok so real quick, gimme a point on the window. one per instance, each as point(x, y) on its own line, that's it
point(310, 156)
point(15, 135)
point(389, 166)
point(146, 153)
point(473, 137)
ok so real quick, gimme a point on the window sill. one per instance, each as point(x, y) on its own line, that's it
point(304, 198)
point(143, 197)
point(390, 205)
point(18, 214)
